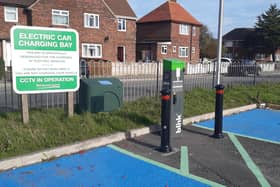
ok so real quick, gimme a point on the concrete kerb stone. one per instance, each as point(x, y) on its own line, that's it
point(101, 141)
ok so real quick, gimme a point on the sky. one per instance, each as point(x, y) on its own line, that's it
point(237, 13)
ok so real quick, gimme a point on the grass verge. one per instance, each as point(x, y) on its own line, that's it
point(51, 128)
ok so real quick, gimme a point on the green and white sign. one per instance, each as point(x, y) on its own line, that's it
point(44, 60)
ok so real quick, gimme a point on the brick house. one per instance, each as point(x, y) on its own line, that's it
point(107, 28)
point(245, 43)
point(168, 31)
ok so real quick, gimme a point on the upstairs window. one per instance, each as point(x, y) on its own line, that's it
point(164, 49)
point(193, 30)
point(91, 20)
point(183, 51)
point(121, 24)
point(184, 29)
point(174, 49)
point(60, 17)
point(92, 50)
point(193, 49)
point(11, 14)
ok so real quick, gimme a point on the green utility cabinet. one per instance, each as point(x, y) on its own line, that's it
point(100, 94)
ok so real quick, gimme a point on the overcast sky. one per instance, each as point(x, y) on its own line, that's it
point(237, 13)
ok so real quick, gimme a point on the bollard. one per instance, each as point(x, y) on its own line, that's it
point(218, 132)
point(165, 121)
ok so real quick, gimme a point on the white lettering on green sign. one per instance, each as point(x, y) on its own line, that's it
point(44, 59)
point(44, 40)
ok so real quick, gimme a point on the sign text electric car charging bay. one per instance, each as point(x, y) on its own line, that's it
point(44, 60)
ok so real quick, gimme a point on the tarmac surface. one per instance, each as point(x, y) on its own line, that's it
point(213, 159)
point(246, 156)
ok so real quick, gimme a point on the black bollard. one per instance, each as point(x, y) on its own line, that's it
point(218, 132)
point(165, 121)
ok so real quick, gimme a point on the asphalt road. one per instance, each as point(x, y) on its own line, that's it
point(145, 86)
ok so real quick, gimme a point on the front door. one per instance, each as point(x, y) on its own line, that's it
point(121, 54)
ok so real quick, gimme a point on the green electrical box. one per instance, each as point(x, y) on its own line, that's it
point(100, 94)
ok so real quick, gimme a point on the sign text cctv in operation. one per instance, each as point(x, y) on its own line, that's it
point(44, 60)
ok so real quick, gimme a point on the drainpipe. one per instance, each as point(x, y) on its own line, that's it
point(191, 38)
point(28, 13)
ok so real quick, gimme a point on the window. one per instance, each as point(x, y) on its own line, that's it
point(184, 29)
point(193, 49)
point(174, 49)
point(92, 50)
point(60, 17)
point(91, 20)
point(277, 57)
point(11, 14)
point(163, 49)
point(121, 24)
point(193, 30)
point(260, 56)
point(183, 52)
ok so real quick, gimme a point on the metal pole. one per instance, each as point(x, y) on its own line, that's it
point(218, 132)
point(157, 84)
point(220, 39)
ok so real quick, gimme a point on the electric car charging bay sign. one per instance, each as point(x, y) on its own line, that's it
point(44, 60)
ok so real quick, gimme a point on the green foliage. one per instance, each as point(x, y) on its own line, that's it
point(51, 128)
point(268, 25)
point(208, 45)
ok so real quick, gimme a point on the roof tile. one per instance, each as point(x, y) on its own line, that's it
point(170, 11)
point(17, 3)
point(120, 8)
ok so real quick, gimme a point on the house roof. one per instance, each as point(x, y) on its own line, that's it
point(169, 11)
point(17, 3)
point(120, 8)
point(239, 34)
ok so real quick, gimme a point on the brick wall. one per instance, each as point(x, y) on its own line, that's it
point(186, 41)
point(107, 34)
point(153, 31)
point(6, 26)
point(166, 33)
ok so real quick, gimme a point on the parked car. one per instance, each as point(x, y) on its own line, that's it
point(244, 67)
point(224, 60)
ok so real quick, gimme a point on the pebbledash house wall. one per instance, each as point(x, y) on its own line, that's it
point(107, 34)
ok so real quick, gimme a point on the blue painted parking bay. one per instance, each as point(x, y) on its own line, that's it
point(103, 166)
point(259, 124)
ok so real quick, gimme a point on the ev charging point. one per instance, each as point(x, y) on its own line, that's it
point(172, 103)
